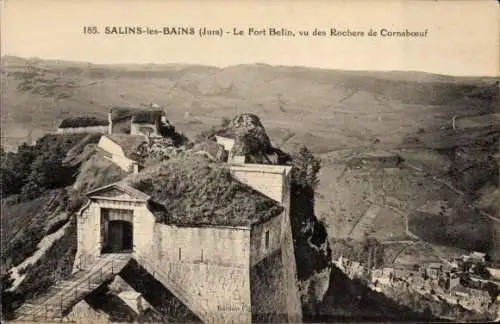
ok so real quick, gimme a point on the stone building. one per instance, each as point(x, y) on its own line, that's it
point(147, 122)
point(222, 273)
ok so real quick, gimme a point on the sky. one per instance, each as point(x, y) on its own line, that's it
point(462, 36)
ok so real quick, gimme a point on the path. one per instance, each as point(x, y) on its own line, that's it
point(364, 222)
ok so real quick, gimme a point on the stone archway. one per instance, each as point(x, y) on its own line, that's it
point(117, 230)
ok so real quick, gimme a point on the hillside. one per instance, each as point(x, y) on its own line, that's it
point(296, 104)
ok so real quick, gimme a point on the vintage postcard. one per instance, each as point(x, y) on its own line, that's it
point(250, 161)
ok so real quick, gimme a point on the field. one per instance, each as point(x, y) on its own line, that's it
point(337, 114)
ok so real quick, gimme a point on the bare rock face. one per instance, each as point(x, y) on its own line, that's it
point(250, 135)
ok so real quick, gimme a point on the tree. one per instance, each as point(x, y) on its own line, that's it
point(309, 234)
point(305, 168)
point(15, 168)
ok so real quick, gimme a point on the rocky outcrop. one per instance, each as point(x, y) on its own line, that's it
point(252, 141)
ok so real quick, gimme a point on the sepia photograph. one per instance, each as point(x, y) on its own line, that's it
point(250, 162)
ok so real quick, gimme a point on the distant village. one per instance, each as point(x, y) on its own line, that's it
point(465, 281)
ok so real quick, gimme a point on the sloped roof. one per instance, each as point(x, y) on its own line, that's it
point(82, 122)
point(120, 186)
point(129, 143)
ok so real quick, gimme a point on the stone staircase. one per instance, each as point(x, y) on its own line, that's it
point(52, 305)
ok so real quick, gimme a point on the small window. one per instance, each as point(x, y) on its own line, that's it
point(179, 254)
point(201, 255)
point(267, 240)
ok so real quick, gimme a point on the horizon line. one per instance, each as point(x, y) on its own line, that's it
point(247, 63)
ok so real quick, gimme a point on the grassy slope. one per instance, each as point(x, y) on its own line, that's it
point(196, 192)
point(16, 217)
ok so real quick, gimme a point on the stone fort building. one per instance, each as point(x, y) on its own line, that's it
point(223, 274)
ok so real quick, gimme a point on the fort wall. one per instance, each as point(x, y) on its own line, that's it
point(210, 265)
point(268, 180)
point(224, 272)
point(265, 238)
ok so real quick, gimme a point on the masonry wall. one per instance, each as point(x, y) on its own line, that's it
point(88, 236)
point(228, 143)
point(121, 127)
point(258, 248)
point(210, 266)
point(269, 184)
point(90, 129)
point(273, 278)
point(135, 129)
point(294, 307)
point(268, 290)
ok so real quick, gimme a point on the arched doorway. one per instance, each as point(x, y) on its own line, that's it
point(120, 237)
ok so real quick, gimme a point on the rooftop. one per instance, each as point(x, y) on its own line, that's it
point(196, 192)
point(82, 122)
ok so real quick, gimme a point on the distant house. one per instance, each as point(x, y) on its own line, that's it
point(356, 270)
point(228, 143)
point(402, 273)
point(148, 122)
point(475, 296)
point(82, 125)
point(383, 276)
point(237, 159)
point(478, 257)
point(122, 150)
point(454, 281)
point(340, 263)
point(460, 291)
